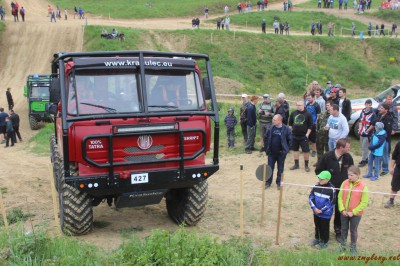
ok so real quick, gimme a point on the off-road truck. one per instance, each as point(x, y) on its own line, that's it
point(131, 128)
point(37, 93)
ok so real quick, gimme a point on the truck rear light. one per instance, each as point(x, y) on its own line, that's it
point(124, 175)
point(144, 128)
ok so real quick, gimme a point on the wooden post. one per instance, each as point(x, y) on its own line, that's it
point(241, 200)
point(263, 194)
point(211, 37)
point(234, 35)
point(3, 211)
point(279, 212)
point(319, 48)
point(306, 58)
point(55, 201)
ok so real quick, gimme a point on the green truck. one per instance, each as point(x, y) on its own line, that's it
point(37, 92)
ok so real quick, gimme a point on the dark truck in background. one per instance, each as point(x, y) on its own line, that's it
point(131, 128)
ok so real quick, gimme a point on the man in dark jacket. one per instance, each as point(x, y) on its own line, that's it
point(337, 162)
point(10, 100)
point(387, 119)
point(251, 124)
point(282, 108)
point(301, 122)
point(9, 132)
point(277, 142)
point(344, 104)
point(15, 123)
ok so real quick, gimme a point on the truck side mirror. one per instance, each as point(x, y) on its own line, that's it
point(55, 91)
point(206, 88)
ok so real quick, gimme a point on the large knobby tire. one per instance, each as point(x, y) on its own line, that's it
point(33, 123)
point(187, 205)
point(355, 129)
point(76, 209)
point(56, 161)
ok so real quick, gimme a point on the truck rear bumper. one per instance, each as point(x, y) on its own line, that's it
point(122, 183)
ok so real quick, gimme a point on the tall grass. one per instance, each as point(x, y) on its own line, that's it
point(182, 247)
point(40, 141)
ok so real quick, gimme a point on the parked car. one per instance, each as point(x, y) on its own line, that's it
point(358, 105)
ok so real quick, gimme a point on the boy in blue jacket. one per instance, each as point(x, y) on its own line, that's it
point(322, 202)
point(230, 123)
point(376, 146)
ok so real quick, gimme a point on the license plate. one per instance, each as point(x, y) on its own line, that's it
point(139, 178)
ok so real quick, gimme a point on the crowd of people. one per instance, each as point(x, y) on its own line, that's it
point(9, 123)
point(319, 125)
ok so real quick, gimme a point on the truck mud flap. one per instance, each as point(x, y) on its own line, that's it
point(142, 198)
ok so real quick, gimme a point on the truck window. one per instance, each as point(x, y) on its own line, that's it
point(174, 91)
point(40, 92)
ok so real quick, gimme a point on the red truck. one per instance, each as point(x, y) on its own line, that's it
point(132, 127)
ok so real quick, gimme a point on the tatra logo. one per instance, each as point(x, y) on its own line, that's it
point(145, 141)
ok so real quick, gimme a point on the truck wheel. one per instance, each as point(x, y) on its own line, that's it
point(33, 123)
point(355, 129)
point(76, 210)
point(187, 205)
point(55, 160)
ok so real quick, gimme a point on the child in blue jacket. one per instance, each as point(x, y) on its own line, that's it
point(230, 123)
point(376, 147)
point(322, 202)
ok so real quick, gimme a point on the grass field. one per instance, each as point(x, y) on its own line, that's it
point(158, 9)
point(387, 15)
point(314, 4)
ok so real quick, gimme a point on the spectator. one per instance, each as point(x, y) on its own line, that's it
point(344, 104)
point(351, 207)
point(382, 30)
point(328, 88)
point(206, 12)
point(53, 16)
point(281, 27)
point(223, 23)
point(319, 4)
point(15, 123)
point(2, 13)
point(277, 140)
point(376, 146)
point(75, 11)
point(275, 25)
point(376, 30)
point(226, 10)
point(301, 123)
point(369, 29)
point(365, 130)
point(263, 25)
point(322, 133)
point(227, 23)
point(345, 4)
point(322, 202)
point(333, 96)
point(330, 28)
point(282, 109)
point(65, 14)
point(251, 124)
point(219, 23)
point(3, 116)
point(9, 132)
point(312, 28)
point(230, 123)
point(22, 13)
point(10, 99)
point(314, 110)
point(337, 162)
point(385, 117)
point(266, 112)
point(395, 172)
point(319, 98)
point(243, 118)
point(284, 6)
point(353, 29)
point(337, 126)
point(287, 28)
point(394, 27)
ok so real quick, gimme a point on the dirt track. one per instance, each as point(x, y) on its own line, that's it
point(27, 48)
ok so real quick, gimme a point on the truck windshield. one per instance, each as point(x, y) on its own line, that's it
point(40, 92)
point(94, 92)
point(175, 90)
point(118, 91)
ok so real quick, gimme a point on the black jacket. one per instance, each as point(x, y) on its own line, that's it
point(387, 121)
point(329, 162)
point(346, 108)
point(15, 120)
point(283, 110)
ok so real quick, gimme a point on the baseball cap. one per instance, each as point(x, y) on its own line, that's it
point(244, 95)
point(266, 96)
point(329, 82)
point(338, 85)
point(324, 175)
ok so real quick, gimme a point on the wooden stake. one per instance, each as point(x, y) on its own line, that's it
point(241, 200)
point(263, 194)
point(279, 212)
point(55, 202)
point(319, 48)
point(3, 210)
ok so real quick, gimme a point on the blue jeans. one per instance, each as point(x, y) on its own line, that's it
point(385, 158)
point(374, 162)
point(280, 160)
point(331, 144)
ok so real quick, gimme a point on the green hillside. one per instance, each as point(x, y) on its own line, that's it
point(271, 62)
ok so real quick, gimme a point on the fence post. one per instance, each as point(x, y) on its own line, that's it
point(279, 211)
point(3, 210)
point(263, 194)
point(241, 201)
